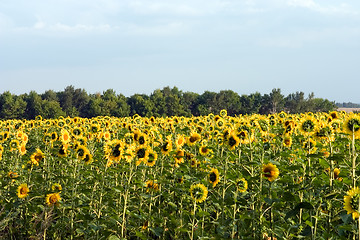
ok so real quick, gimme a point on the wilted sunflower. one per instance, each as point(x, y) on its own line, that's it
point(52, 199)
point(351, 202)
point(242, 185)
point(214, 177)
point(22, 190)
point(270, 171)
point(198, 192)
point(37, 156)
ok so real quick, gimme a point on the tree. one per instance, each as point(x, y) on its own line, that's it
point(12, 106)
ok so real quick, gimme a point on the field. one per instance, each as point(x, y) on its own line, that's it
point(278, 176)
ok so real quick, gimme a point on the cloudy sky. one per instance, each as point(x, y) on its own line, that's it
point(137, 46)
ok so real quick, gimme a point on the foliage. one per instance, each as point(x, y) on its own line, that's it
point(166, 102)
point(280, 176)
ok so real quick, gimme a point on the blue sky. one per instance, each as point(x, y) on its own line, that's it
point(137, 46)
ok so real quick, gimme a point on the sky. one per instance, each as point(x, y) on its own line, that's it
point(137, 46)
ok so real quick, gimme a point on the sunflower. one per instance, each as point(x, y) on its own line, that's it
point(142, 154)
point(214, 177)
point(22, 149)
point(233, 141)
point(52, 199)
point(22, 190)
point(180, 141)
point(270, 171)
point(65, 136)
point(81, 152)
point(223, 113)
point(152, 157)
point(242, 185)
point(114, 150)
point(37, 156)
point(287, 141)
point(88, 158)
point(352, 125)
point(194, 137)
point(179, 157)
point(1, 151)
point(167, 146)
point(307, 125)
point(204, 150)
point(14, 145)
point(12, 175)
point(151, 185)
point(351, 202)
point(56, 187)
point(198, 192)
point(310, 146)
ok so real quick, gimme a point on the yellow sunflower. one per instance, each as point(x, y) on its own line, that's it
point(22, 190)
point(352, 125)
point(307, 125)
point(214, 177)
point(242, 185)
point(151, 185)
point(351, 202)
point(287, 141)
point(56, 187)
point(37, 156)
point(52, 199)
point(194, 137)
point(270, 171)
point(198, 192)
point(152, 157)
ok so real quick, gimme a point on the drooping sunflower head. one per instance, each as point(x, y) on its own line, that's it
point(167, 146)
point(22, 190)
point(198, 192)
point(52, 199)
point(352, 201)
point(242, 185)
point(214, 177)
point(270, 171)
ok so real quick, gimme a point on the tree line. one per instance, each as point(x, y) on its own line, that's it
point(161, 102)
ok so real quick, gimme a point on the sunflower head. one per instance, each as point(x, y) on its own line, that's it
point(23, 190)
point(352, 125)
point(270, 171)
point(56, 187)
point(214, 177)
point(151, 186)
point(242, 185)
point(52, 199)
point(352, 202)
point(37, 157)
point(198, 192)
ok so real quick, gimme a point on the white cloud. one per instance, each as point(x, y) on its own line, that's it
point(342, 8)
point(333, 36)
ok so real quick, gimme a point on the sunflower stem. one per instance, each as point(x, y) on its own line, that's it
point(193, 221)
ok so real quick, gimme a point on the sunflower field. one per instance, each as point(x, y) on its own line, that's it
point(278, 176)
